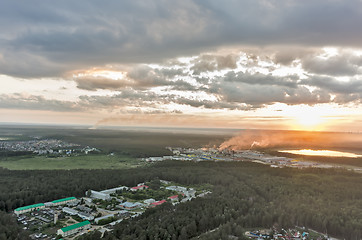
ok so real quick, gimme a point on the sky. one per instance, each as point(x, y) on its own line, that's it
point(246, 64)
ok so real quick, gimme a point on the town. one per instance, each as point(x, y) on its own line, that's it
point(212, 154)
point(100, 210)
point(276, 233)
point(45, 147)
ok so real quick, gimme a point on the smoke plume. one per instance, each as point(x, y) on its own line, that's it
point(252, 139)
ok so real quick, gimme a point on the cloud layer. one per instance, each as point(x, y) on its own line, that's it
point(162, 57)
point(40, 38)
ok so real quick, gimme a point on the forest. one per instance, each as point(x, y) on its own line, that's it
point(244, 195)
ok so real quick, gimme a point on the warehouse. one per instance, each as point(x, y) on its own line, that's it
point(114, 190)
point(99, 195)
point(28, 208)
point(72, 229)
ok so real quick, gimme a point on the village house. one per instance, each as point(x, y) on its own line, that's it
point(140, 187)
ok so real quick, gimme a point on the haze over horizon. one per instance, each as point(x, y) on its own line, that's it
point(291, 65)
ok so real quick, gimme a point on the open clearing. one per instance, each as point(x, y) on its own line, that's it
point(100, 161)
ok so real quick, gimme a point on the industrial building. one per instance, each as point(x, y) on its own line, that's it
point(99, 195)
point(114, 190)
point(28, 208)
point(130, 205)
point(72, 229)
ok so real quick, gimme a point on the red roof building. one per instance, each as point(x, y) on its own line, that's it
point(141, 187)
point(157, 203)
point(173, 198)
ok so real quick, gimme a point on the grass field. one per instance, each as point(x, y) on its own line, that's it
point(73, 162)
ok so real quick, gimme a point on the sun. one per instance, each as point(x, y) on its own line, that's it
point(308, 118)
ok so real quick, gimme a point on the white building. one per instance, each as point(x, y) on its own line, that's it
point(99, 195)
point(114, 190)
point(165, 182)
point(177, 188)
point(85, 216)
point(130, 205)
point(48, 204)
point(70, 211)
point(149, 201)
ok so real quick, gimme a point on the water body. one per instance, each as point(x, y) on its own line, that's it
point(325, 153)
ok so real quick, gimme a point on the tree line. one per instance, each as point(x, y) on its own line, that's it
point(244, 195)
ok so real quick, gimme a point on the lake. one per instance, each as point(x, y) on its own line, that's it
point(325, 153)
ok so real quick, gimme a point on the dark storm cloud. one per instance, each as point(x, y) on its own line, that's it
point(43, 38)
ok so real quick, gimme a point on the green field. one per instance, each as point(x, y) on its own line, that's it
point(100, 161)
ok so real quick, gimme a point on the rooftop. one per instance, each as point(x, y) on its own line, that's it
point(75, 226)
point(63, 199)
point(158, 203)
point(130, 204)
point(29, 207)
point(141, 186)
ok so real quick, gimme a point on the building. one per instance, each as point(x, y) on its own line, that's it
point(55, 218)
point(114, 190)
point(140, 187)
point(84, 209)
point(99, 195)
point(43, 219)
point(28, 208)
point(85, 216)
point(72, 229)
point(48, 204)
point(70, 211)
point(149, 201)
point(102, 218)
point(130, 205)
point(116, 222)
point(165, 182)
point(64, 201)
point(177, 188)
point(123, 213)
point(173, 198)
point(157, 203)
